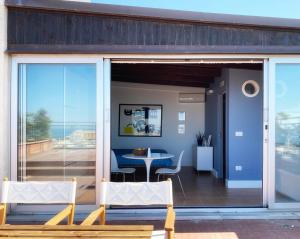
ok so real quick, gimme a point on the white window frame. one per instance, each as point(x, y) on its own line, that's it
point(103, 64)
point(272, 103)
point(16, 60)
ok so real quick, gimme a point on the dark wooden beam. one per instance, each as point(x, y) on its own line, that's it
point(249, 66)
point(162, 82)
point(193, 75)
point(177, 69)
point(163, 78)
point(166, 74)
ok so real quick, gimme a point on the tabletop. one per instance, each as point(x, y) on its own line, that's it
point(76, 231)
point(153, 156)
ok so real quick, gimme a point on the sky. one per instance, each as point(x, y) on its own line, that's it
point(66, 91)
point(287, 89)
point(268, 8)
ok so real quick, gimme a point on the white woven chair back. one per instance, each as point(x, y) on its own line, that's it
point(141, 193)
point(114, 162)
point(44, 192)
point(178, 167)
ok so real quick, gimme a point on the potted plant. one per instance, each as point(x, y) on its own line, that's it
point(200, 138)
point(203, 153)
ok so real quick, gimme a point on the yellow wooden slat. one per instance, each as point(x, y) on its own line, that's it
point(60, 216)
point(2, 214)
point(75, 231)
point(93, 217)
point(67, 234)
point(170, 219)
point(170, 223)
point(76, 237)
point(78, 228)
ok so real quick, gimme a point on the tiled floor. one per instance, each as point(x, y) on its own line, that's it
point(204, 190)
point(233, 229)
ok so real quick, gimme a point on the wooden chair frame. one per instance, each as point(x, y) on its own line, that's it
point(67, 212)
point(100, 214)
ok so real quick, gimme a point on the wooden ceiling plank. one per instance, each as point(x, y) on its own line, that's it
point(164, 78)
point(157, 82)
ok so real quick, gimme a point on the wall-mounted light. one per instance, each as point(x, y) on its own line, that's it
point(209, 92)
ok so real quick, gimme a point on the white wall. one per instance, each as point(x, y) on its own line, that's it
point(4, 97)
point(129, 93)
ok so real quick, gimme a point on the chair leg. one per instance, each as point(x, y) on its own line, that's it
point(123, 177)
point(134, 177)
point(181, 185)
point(158, 177)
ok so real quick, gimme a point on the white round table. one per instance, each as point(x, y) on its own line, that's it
point(148, 160)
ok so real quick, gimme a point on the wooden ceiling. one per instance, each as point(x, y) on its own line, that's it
point(192, 75)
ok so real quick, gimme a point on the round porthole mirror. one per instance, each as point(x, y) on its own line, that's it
point(250, 88)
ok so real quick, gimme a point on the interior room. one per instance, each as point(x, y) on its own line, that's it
point(200, 123)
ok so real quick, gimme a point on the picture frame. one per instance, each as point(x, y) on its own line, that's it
point(140, 120)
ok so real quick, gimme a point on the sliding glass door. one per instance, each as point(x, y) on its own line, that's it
point(285, 133)
point(57, 124)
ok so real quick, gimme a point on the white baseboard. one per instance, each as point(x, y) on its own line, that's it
point(243, 183)
point(215, 173)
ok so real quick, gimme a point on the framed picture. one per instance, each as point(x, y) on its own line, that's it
point(140, 120)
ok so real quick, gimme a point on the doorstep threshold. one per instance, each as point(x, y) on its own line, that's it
point(180, 215)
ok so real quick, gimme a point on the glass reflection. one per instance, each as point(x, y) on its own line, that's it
point(287, 128)
point(57, 125)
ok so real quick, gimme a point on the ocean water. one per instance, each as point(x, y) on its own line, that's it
point(60, 131)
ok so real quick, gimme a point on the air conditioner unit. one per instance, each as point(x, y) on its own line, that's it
point(191, 97)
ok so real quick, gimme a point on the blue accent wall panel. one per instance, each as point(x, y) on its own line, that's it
point(245, 114)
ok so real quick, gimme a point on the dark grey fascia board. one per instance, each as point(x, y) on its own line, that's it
point(142, 49)
point(156, 13)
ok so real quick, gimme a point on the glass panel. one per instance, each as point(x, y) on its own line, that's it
point(287, 133)
point(57, 125)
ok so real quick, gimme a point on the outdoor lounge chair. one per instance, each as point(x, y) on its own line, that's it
point(141, 194)
point(42, 192)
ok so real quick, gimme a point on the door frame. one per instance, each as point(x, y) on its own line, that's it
point(272, 114)
point(15, 61)
point(104, 65)
point(223, 98)
point(221, 59)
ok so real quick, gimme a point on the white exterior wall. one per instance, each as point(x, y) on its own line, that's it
point(4, 96)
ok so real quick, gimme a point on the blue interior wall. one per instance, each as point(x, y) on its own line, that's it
point(213, 114)
point(243, 114)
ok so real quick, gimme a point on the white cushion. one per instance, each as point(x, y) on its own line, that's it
point(42, 192)
point(158, 235)
point(141, 193)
